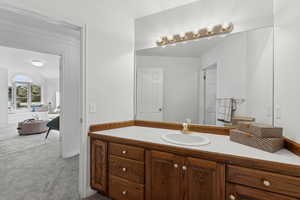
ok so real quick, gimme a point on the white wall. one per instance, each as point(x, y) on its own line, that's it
point(181, 85)
point(245, 71)
point(109, 59)
point(52, 86)
point(230, 56)
point(4, 97)
point(287, 70)
point(109, 51)
point(259, 75)
point(245, 14)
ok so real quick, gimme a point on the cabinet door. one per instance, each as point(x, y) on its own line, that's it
point(238, 192)
point(99, 165)
point(163, 179)
point(204, 180)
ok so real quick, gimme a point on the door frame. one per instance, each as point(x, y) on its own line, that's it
point(203, 74)
point(83, 186)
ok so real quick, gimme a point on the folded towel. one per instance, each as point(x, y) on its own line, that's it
point(225, 109)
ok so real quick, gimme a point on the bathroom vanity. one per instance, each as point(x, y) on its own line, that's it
point(131, 161)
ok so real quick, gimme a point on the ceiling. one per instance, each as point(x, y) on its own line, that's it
point(189, 49)
point(20, 60)
point(34, 21)
point(141, 8)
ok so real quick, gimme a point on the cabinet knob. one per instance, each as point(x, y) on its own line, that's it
point(124, 192)
point(232, 197)
point(175, 165)
point(124, 169)
point(184, 168)
point(266, 183)
point(124, 152)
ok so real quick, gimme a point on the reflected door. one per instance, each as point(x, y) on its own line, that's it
point(210, 94)
point(150, 94)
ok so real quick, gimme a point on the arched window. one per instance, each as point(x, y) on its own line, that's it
point(22, 78)
point(25, 93)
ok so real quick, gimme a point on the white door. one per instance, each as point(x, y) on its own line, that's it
point(210, 93)
point(150, 94)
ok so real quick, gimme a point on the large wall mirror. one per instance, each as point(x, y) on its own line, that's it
point(208, 81)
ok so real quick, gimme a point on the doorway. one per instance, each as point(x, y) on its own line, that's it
point(65, 40)
point(210, 94)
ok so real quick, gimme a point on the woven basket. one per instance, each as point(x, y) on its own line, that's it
point(261, 130)
point(266, 144)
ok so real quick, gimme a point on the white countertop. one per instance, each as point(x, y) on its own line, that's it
point(218, 144)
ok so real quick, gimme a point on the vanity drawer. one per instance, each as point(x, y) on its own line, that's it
point(120, 189)
point(128, 169)
point(264, 180)
point(126, 151)
point(238, 192)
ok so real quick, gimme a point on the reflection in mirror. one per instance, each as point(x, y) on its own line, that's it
point(216, 81)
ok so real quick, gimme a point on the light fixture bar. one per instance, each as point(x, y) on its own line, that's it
point(202, 33)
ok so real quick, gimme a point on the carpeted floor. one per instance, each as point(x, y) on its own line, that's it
point(31, 169)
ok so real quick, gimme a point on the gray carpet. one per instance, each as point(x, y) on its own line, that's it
point(31, 168)
point(38, 173)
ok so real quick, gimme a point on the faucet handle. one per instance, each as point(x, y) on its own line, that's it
point(185, 126)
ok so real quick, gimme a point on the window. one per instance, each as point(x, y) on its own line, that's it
point(24, 94)
point(10, 96)
point(36, 97)
point(22, 97)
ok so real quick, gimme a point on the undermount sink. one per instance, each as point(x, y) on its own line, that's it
point(191, 139)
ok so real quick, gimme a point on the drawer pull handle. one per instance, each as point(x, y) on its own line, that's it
point(184, 168)
point(124, 192)
point(124, 152)
point(175, 165)
point(266, 183)
point(124, 169)
point(232, 197)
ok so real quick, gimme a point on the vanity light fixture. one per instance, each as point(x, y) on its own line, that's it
point(219, 29)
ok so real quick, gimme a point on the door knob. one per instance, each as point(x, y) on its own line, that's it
point(184, 168)
point(175, 165)
point(124, 192)
point(160, 109)
point(124, 169)
point(266, 183)
point(232, 197)
point(124, 152)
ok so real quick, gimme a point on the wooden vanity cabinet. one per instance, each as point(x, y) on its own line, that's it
point(204, 180)
point(172, 177)
point(99, 165)
point(239, 192)
point(129, 172)
point(163, 176)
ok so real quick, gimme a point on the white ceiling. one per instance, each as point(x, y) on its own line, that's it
point(20, 60)
point(189, 49)
point(141, 8)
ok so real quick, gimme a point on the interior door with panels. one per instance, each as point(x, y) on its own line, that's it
point(150, 94)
